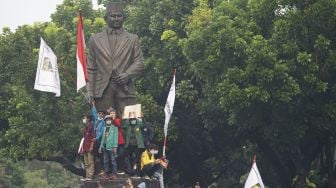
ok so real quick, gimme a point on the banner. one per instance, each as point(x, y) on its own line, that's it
point(47, 77)
point(254, 178)
point(169, 105)
point(82, 76)
point(132, 110)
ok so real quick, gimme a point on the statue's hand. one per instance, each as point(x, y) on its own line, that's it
point(89, 98)
point(122, 78)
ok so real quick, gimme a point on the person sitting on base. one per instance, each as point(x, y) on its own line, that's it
point(108, 146)
point(150, 166)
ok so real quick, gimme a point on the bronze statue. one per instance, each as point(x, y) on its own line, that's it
point(115, 60)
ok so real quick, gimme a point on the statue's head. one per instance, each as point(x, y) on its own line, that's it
point(114, 15)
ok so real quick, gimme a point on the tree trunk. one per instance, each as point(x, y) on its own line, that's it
point(278, 166)
point(329, 152)
point(66, 164)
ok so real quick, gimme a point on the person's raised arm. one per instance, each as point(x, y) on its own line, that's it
point(94, 111)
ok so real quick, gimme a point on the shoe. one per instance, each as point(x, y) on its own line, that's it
point(120, 172)
point(145, 177)
point(155, 178)
point(136, 177)
point(104, 177)
point(88, 179)
point(113, 177)
point(101, 173)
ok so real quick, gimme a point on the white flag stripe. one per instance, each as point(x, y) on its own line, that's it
point(169, 106)
point(80, 74)
point(47, 77)
point(254, 178)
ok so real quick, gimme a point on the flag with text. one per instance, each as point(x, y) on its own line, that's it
point(47, 77)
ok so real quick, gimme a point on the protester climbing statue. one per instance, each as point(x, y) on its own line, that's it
point(115, 61)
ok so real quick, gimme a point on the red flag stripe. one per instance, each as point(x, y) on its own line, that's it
point(81, 46)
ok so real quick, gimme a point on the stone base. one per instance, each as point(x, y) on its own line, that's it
point(120, 180)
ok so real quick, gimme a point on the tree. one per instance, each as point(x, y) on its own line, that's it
point(252, 77)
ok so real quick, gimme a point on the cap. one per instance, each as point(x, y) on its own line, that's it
point(114, 7)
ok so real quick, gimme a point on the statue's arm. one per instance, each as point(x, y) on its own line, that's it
point(91, 68)
point(137, 66)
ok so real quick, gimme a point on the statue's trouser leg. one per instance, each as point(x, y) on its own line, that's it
point(125, 101)
point(108, 99)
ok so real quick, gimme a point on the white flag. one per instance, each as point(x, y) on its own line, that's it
point(47, 77)
point(254, 178)
point(169, 106)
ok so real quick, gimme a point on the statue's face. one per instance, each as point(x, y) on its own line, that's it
point(114, 19)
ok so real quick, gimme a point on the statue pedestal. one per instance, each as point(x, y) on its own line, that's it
point(120, 180)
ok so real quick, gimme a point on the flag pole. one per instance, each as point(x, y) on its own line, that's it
point(68, 75)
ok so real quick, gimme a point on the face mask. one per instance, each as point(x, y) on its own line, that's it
point(100, 118)
point(108, 122)
point(154, 152)
point(133, 122)
point(84, 121)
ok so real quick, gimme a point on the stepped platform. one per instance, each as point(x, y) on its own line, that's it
point(120, 180)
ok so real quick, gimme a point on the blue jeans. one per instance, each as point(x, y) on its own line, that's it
point(110, 156)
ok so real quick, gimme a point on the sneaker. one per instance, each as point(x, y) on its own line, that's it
point(101, 173)
point(136, 177)
point(88, 179)
point(113, 177)
point(154, 178)
point(104, 177)
point(120, 172)
point(145, 177)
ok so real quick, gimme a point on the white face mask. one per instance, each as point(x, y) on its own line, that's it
point(100, 118)
point(108, 122)
point(154, 152)
point(133, 122)
point(84, 121)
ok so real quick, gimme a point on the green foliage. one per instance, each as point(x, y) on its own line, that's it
point(252, 77)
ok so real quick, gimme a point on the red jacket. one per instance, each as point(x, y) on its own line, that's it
point(121, 139)
point(88, 136)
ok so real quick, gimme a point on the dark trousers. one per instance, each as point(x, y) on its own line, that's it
point(150, 169)
point(132, 157)
point(121, 157)
point(98, 158)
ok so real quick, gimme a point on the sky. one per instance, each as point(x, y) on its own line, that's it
point(14, 13)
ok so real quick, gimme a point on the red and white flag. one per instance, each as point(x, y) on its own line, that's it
point(82, 76)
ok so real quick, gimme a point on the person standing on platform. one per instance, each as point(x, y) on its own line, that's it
point(146, 131)
point(87, 149)
point(98, 128)
point(108, 147)
point(134, 142)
